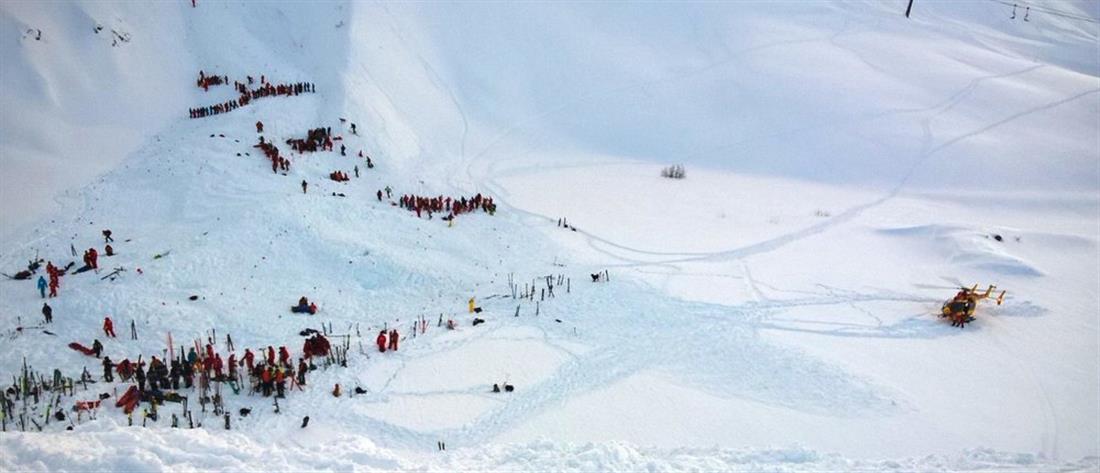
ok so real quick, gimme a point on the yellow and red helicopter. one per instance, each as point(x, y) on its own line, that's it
point(960, 309)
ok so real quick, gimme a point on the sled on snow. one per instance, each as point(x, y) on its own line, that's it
point(129, 400)
point(86, 405)
point(82, 349)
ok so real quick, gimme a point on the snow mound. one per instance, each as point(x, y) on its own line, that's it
point(967, 247)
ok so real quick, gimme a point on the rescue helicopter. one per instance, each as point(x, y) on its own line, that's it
point(960, 309)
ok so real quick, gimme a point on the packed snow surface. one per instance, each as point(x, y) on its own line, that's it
point(848, 169)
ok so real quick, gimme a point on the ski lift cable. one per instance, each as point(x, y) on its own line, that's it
point(1047, 10)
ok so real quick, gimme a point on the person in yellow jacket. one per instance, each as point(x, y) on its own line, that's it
point(472, 306)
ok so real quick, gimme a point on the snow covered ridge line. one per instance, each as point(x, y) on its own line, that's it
point(117, 448)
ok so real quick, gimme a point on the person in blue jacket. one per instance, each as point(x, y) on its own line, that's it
point(42, 286)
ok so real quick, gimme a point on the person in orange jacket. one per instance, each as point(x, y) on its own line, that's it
point(280, 383)
point(108, 327)
point(270, 355)
point(284, 356)
point(266, 378)
point(302, 369)
point(248, 359)
point(232, 365)
point(381, 341)
point(218, 365)
point(393, 339)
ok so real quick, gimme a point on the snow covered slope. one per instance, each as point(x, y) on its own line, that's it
point(847, 169)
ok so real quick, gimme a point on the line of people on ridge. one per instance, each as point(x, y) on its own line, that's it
point(206, 81)
point(450, 205)
point(247, 96)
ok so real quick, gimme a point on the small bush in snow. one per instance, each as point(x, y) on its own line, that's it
point(675, 171)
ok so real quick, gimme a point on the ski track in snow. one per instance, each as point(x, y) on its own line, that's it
point(607, 247)
point(634, 257)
